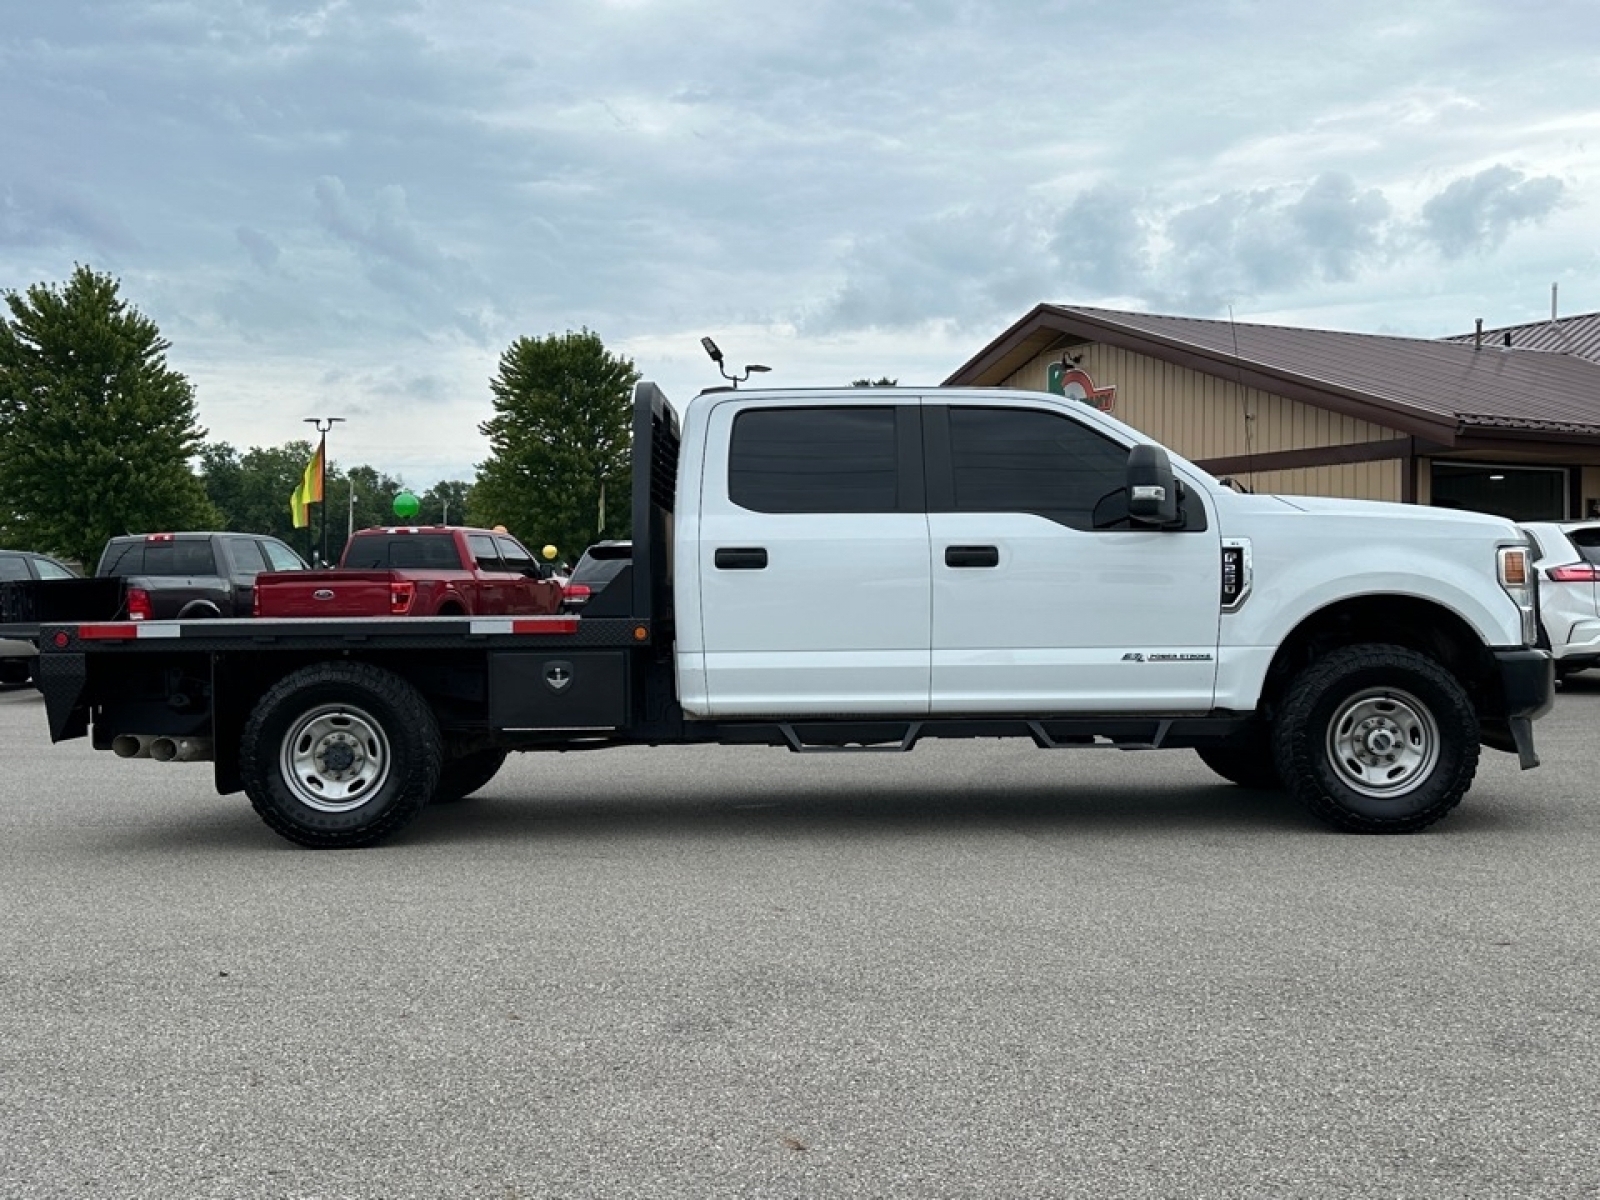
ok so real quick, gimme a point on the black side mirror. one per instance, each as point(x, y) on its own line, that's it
point(1152, 491)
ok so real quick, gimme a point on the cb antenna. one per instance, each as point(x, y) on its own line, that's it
point(716, 357)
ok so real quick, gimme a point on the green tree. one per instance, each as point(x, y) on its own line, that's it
point(97, 430)
point(559, 441)
point(444, 502)
point(251, 491)
point(375, 493)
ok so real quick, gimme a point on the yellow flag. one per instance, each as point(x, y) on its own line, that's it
point(308, 493)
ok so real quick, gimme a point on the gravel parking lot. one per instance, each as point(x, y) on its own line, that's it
point(977, 970)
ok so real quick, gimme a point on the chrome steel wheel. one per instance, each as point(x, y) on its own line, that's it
point(335, 757)
point(1383, 742)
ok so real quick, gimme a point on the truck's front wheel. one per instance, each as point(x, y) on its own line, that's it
point(340, 755)
point(1377, 739)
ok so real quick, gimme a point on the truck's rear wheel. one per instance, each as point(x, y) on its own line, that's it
point(340, 754)
point(1377, 739)
point(460, 777)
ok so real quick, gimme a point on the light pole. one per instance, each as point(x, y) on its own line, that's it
point(323, 424)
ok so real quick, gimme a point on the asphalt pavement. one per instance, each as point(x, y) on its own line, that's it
point(975, 970)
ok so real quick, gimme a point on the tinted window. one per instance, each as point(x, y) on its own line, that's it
point(1587, 542)
point(516, 556)
point(380, 552)
point(597, 572)
point(122, 558)
point(13, 566)
point(167, 558)
point(483, 551)
point(814, 460)
point(280, 557)
point(1017, 460)
point(247, 556)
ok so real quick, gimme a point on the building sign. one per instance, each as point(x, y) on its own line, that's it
point(1076, 384)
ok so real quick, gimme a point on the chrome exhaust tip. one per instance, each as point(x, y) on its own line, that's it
point(165, 749)
point(131, 745)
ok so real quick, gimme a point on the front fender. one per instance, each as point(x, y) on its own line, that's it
point(1288, 591)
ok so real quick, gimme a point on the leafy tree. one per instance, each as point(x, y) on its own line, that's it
point(375, 493)
point(251, 491)
point(445, 502)
point(559, 439)
point(97, 430)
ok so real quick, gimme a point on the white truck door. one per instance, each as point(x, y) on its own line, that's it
point(1035, 608)
point(813, 561)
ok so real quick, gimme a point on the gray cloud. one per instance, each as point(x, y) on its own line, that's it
point(292, 185)
point(263, 251)
point(1341, 225)
point(1102, 242)
point(1477, 213)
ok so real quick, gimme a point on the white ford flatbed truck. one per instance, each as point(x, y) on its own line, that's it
point(863, 568)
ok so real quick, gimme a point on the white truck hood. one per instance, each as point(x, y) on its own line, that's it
point(1434, 518)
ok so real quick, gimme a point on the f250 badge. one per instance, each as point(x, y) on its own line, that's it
point(1138, 656)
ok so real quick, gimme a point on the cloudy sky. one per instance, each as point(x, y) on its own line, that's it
point(351, 208)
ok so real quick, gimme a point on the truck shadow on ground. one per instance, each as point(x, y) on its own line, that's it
point(506, 812)
point(800, 812)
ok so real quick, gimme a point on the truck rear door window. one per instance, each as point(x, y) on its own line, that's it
point(814, 460)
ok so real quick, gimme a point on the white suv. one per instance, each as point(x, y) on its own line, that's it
point(1567, 561)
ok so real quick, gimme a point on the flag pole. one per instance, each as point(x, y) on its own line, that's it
point(323, 424)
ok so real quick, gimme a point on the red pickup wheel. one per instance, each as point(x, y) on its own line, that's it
point(340, 755)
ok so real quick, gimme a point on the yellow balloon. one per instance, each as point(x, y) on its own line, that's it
point(549, 551)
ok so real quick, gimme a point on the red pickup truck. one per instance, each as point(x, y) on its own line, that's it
point(415, 571)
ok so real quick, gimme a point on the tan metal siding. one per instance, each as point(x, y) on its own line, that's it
point(1352, 481)
point(1204, 416)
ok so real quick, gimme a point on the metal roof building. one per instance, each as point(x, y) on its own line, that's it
point(1463, 421)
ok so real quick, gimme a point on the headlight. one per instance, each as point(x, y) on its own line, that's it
point(1517, 578)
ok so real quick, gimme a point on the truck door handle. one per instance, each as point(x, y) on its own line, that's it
point(741, 558)
point(971, 556)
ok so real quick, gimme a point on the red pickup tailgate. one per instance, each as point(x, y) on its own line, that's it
point(324, 593)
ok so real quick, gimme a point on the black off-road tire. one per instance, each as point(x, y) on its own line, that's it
point(462, 776)
point(1377, 739)
point(1248, 765)
point(340, 755)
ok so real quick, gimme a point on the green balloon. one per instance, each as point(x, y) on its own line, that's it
point(406, 505)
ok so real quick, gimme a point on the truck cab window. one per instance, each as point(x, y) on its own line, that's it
point(177, 558)
point(1032, 461)
point(516, 556)
point(281, 557)
point(483, 550)
point(814, 460)
point(247, 556)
